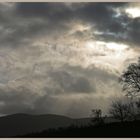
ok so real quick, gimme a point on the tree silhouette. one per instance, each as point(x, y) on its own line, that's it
point(119, 110)
point(137, 103)
point(97, 116)
point(130, 79)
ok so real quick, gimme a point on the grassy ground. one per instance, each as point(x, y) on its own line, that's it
point(112, 130)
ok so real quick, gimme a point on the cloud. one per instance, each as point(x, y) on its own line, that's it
point(72, 83)
point(55, 58)
point(56, 91)
point(25, 22)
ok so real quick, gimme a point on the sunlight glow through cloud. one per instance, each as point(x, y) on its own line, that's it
point(110, 49)
point(110, 55)
point(134, 12)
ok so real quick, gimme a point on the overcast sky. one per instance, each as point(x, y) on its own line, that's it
point(65, 58)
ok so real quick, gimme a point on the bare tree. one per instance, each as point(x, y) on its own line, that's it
point(97, 116)
point(97, 113)
point(137, 103)
point(130, 79)
point(119, 110)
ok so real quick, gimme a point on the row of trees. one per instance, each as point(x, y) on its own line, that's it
point(123, 111)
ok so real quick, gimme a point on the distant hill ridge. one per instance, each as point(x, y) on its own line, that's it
point(19, 124)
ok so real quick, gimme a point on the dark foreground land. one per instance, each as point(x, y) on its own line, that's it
point(112, 130)
point(56, 126)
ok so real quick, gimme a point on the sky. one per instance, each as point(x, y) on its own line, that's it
point(65, 58)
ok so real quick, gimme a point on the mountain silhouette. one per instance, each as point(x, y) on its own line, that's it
point(20, 124)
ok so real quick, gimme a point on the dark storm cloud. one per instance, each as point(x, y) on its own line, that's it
point(90, 72)
point(134, 31)
point(67, 80)
point(117, 28)
point(71, 83)
point(38, 20)
point(14, 101)
point(77, 80)
point(113, 27)
point(33, 20)
point(23, 100)
point(104, 19)
point(54, 11)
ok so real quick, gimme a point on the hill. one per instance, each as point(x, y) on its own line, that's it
point(20, 124)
